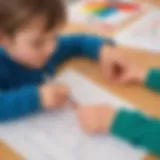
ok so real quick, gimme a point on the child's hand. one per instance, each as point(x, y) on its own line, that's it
point(53, 95)
point(96, 118)
point(120, 69)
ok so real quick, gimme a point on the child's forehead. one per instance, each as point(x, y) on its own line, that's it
point(36, 23)
point(36, 27)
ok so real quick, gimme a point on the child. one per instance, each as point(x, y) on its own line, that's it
point(134, 127)
point(31, 50)
point(29, 30)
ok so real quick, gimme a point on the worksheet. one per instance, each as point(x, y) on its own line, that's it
point(56, 135)
point(144, 33)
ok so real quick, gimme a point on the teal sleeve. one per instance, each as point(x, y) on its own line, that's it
point(79, 45)
point(138, 129)
point(153, 79)
point(19, 102)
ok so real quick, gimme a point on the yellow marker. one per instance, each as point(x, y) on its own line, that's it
point(94, 6)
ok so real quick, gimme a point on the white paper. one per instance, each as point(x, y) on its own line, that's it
point(144, 33)
point(56, 135)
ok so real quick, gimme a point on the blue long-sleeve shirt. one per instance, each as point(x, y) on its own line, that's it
point(19, 85)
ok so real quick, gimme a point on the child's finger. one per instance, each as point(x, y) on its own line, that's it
point(108, 71)
point(74, 105)
point(125, 78)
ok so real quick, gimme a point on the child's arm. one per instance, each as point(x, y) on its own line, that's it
point(79, 45)
point(152, 79)
point(138, 129)
point(132, 126)
point(20, 102)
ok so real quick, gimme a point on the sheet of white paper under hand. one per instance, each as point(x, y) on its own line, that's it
point(56, 135)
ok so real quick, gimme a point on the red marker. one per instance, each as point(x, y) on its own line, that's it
point(126, 6)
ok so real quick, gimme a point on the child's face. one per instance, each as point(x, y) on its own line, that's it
point(31, 46)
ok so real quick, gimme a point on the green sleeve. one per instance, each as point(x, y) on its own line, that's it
point(153, 79)
point(138, 129)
